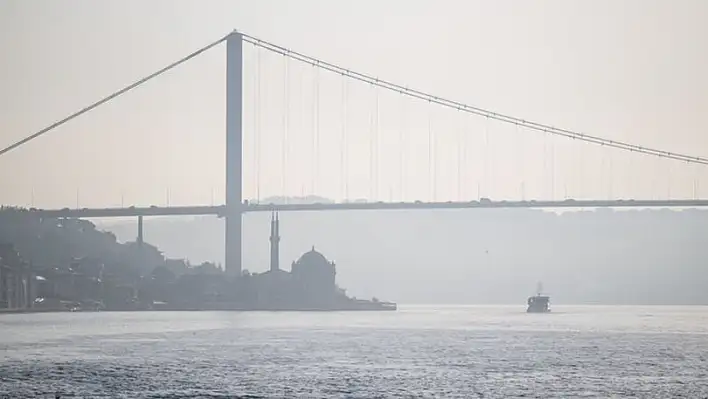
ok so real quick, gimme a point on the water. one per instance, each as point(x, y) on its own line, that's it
point(419, 351)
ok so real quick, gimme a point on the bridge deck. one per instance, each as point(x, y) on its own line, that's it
point(220, 210)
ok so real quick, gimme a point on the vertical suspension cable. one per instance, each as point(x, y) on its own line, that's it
point(313, 140)
point(581, 172)
point(655, 184)
point(701, 183)
point(697, 182)
point(302, 180)
point(636, 187)
point(377, 150)
point(430, 156)
point(315, 128)
point(260, 128)
point(627, 190)
point(254, 117)
point(553, 169)
point(668, 180)
point(517, 160)
point(434, 138)
point(371, 151)
point(377, 146)
point(430, 153)
point(563, 175)
point(460, 146)
point(693, 194)
point(469, 129)
point(257, 123)
point(522, 158)
point(485, 178)
point(286, 119)
point(610, 176)
point(402, 148)
point(465, 164)
point(522, 161)
point(544, 173)
point(343, 144)
point(603, 173)
point(313, 131)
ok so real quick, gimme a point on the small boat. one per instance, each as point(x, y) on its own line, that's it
point(538, 303)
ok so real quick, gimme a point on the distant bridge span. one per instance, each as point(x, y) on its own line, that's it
point(220, 210)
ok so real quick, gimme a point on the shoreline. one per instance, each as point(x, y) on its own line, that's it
point(28, 311)
point(35, 310)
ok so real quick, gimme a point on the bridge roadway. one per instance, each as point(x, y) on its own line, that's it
point(220, 210)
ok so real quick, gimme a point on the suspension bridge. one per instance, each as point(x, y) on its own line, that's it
point(436, 156)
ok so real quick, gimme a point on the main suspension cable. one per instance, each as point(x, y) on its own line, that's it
point(470, 109)
point(110, 97)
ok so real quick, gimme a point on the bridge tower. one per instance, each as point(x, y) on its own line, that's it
point(274, 243)
point(234, 152)
point(140, 230)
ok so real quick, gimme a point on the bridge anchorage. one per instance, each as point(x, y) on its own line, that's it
point(236, 205)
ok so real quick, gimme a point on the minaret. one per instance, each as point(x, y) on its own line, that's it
point(274, 242)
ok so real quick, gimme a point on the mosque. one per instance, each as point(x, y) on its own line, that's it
point(310, 284)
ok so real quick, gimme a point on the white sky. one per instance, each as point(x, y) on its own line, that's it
point(625, 70)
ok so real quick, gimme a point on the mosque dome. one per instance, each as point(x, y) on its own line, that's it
point(312, 257)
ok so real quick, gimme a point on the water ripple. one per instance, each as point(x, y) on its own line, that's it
point(228, 355)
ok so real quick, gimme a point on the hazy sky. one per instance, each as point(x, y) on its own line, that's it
point(625, 70)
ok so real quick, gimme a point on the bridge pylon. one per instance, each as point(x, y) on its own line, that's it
point(234, 152)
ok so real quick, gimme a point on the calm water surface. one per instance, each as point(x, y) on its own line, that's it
point(419, 351)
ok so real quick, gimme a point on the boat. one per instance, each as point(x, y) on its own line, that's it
point(539, 303)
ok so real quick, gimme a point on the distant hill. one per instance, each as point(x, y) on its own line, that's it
point(473, 256)
point(58, 243)
point(309, 199)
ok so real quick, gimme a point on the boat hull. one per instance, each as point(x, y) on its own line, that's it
point(538, 310)
point(538, 304)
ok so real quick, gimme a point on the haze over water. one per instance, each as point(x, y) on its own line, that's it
point(419, 351)
point(630, 71)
